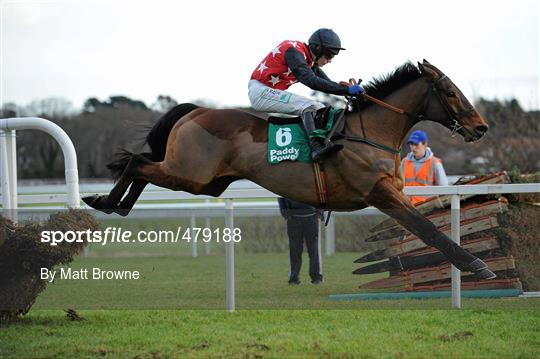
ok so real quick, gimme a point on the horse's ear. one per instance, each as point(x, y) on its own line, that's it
point(428, 71)
point(425, 62)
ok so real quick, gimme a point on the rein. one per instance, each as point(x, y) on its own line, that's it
point(385, 105)
point(366, 140)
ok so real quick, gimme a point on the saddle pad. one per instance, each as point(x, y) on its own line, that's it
point(287, 142)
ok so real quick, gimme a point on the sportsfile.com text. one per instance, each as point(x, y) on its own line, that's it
point(118, 235)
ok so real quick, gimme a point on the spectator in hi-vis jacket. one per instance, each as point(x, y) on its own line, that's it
point(420, 167)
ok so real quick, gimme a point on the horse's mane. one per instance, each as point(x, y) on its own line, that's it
point(384, 85)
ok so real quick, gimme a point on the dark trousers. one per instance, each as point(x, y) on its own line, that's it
point(302, 229)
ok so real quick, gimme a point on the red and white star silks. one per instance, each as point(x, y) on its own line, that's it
point(273, 70)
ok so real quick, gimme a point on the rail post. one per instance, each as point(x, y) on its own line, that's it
point(455, 228)
point(229, 256)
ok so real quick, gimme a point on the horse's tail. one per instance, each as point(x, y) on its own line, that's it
point(118, 165)
point(156, 139)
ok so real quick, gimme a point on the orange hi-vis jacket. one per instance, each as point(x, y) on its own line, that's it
point(424, 177)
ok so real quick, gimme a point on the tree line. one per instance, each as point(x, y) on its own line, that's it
point(101, 127)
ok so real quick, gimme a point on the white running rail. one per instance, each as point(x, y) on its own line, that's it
point(8, 168)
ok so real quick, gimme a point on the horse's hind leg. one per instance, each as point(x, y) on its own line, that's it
point(111, 203)
point(158, 174)
point(106, 205)
point(127, 203)
point(389, 200)
point(140, 171)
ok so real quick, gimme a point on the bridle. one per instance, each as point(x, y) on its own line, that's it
point(452, 119)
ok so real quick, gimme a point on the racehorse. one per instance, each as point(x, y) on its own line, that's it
point(202, 151)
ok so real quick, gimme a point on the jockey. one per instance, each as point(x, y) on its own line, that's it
point(295, 61)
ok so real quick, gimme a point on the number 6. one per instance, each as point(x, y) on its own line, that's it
point(283, 136)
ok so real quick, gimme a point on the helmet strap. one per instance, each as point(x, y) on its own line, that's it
point(317, 53)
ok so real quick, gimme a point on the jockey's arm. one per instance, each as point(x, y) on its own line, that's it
point(296, 62)
point(320, 73)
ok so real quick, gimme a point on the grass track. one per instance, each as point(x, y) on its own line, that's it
point(295, 321)
point(276, 333)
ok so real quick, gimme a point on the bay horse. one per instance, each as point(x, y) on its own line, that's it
point(202, 150)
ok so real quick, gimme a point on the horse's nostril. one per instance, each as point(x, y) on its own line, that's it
point(481, 129)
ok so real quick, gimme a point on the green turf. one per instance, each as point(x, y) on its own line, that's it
point(276, 334)
point(180, 281)
point(272, 320)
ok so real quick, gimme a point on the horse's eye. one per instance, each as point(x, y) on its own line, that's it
point(451, 94)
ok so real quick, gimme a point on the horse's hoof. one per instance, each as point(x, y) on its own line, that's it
point(97, 202)
point(121, 211)
point(91, 200)
point(475, 266)
point(485, 274)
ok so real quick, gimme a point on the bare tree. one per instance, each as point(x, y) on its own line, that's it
point(164, 103)
point(50, 107)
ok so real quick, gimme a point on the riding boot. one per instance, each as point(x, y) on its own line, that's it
point(319, 146)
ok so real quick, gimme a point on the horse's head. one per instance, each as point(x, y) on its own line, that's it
point(447, 105)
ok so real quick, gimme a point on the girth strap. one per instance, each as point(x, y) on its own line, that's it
point(320, 184)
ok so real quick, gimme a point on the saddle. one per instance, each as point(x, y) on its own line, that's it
point(321, 121)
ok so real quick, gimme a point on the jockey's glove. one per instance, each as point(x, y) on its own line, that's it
point(355, 89)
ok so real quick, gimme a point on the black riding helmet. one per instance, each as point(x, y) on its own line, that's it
point(327, 40)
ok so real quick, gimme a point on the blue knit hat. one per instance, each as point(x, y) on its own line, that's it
point(418, 136)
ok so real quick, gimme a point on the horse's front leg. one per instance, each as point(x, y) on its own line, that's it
point(394, 203)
